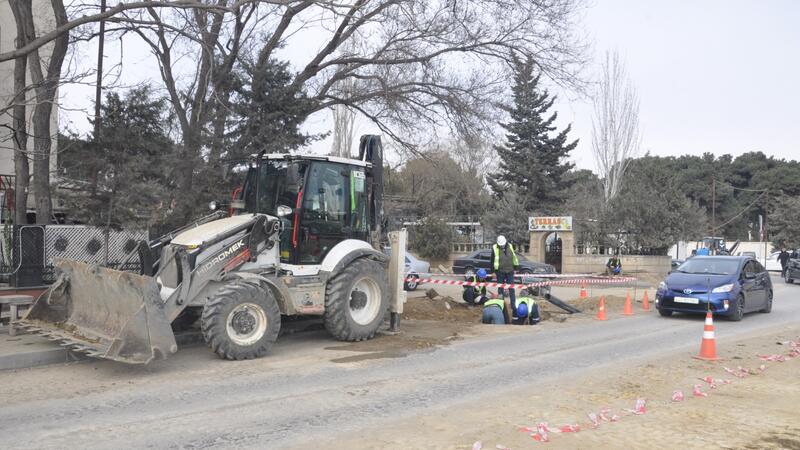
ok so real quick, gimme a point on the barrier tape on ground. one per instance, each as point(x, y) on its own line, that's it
point(575, 282)
point(541, 432)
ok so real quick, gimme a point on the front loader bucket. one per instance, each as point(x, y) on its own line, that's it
point(104, 313)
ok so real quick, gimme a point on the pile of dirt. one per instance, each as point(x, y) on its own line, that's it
point(441, 309)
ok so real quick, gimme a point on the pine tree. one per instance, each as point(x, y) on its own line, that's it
point(533, 159)
point(122, 178)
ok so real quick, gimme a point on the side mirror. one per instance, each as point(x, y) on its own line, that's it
point(284, 211)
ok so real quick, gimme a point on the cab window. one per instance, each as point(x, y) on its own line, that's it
point(324, 211)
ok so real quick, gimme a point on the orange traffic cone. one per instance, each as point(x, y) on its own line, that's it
point(628, 311)
point(601, 310)
point(708, 348)
point(584, 294)
point(645, 302)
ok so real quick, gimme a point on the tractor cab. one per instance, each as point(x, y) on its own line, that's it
point(321, 201)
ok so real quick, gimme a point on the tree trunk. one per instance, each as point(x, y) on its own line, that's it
point(41, 161)
point(21, 170)
point(46, 86)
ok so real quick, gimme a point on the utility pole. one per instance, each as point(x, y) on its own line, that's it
point(99, 86)
point(713, 207)
point(766, 207)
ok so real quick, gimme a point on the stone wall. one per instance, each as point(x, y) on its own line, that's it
point(630, 264)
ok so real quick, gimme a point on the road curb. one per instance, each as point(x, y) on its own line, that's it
point(35, 358)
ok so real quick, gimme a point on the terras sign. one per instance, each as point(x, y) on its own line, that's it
point(561, 223)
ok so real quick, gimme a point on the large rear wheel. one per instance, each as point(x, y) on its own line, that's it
point(356, 300)
point(241, 321)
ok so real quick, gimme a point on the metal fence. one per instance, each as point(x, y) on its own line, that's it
point(36, 247)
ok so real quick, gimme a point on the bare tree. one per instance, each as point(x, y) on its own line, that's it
point(45, 75)
point(344, 120)
point(616, 138)
point(416, 66)
point(20, 128)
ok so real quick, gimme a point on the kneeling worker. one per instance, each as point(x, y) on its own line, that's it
point(495, 311)
point(476, 295)
point(527, 312)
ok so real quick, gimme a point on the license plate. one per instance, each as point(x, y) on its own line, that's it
point(690, 300)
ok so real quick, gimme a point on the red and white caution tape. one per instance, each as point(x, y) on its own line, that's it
point(572, 282)
point(516, 274)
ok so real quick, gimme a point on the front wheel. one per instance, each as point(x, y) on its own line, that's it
point(411, 283)
point(738, 309)
point(241, 321)
point(787, 279)
point(356, 301)
point(665, 312)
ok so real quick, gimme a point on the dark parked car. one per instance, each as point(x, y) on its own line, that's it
point(792, 270)
point(738, 284)
point(482, 259)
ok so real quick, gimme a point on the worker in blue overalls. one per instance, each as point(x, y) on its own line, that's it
point(527, 312)
point(496, 311)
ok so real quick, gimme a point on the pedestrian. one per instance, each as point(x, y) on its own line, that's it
point(614, 265)
point(495, 312)
point(783, 258)
point(527, 312)
point(476, 295)
point(505, 262)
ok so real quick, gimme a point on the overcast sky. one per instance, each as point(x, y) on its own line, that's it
point(712, 76)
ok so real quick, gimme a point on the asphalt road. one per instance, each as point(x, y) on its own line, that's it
point(299, 398)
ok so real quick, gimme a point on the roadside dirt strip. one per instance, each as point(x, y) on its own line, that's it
point(757, 411)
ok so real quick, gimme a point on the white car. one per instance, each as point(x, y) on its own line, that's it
point(414, 268)
point(772, 262)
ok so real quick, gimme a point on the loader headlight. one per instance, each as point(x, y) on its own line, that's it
point(723, 288)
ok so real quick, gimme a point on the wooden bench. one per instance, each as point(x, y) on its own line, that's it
point(14, 302)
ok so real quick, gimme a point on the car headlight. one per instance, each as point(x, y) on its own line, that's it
point(723, 288)
point(662, 286)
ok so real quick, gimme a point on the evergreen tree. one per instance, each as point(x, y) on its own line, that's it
point(270, 110)
point(533, 159)
point(121, 178)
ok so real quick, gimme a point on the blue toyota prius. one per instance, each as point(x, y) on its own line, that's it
point(732, 285)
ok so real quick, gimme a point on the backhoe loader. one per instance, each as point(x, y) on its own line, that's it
point(301, 241)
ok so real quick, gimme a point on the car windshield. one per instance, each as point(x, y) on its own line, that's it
point(710, 266)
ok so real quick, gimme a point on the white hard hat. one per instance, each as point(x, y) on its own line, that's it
point(501, 240)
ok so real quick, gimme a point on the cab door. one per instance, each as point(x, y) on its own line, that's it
point(333, 208)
